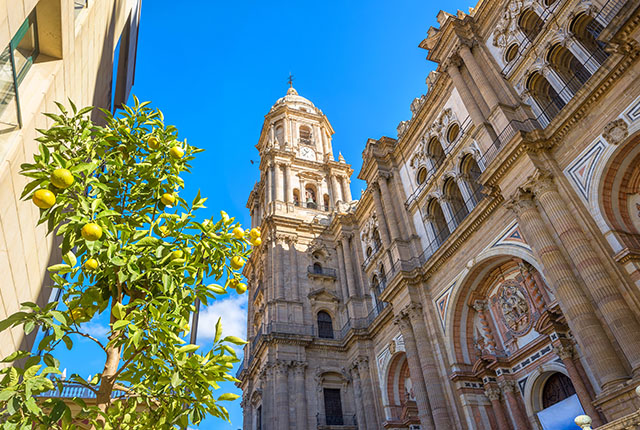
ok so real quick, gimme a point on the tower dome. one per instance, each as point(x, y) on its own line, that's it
point(295, 101)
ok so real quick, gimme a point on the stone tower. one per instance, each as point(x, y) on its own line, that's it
point(300, 294)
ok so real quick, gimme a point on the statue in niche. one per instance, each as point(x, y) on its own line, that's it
point(514, 306)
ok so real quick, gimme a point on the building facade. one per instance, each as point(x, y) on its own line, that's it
point(488, 276)
point(52, 51)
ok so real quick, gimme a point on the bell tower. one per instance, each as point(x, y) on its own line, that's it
point(295, 292)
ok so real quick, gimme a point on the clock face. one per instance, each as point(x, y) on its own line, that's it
point(307, 153)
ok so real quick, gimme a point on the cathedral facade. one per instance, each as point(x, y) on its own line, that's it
point(489, 275)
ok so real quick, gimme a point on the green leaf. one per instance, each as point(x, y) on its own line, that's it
point(16, 356)
point(58, 267)
point(234, 340)
point(188, 348)
point(218, 330)
point(120, 323)
point(70, 259)
point(118, 311)
point(228, 397)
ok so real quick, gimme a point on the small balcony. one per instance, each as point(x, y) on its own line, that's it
point(318, 271)
point(341, 422)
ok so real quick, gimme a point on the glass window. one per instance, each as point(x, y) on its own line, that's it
point(15, 61)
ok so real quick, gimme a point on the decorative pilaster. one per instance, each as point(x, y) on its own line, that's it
point(282, 395)
point(367, 392)
point(388, 204)
point(510, 392)
point(606, 295)
point(577, 308)
point(481, 308)
point(347, 188)
point(299, 368)
point(429, 368)
point(493, 394)
point(344, 289)
point(531, 285)
point(335, 186)
point(479, 76)
point(279, 182)
point(293, 269)
point(382, 218)
point(278, 277)
point(467, 98)
point(358, 396)
point(348, 264)
point(415, 372)
point(288, 197)
point(566, 352)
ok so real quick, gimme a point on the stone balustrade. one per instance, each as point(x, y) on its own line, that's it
point(629, 422)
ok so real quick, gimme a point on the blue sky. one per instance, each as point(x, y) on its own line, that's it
point(215, 68)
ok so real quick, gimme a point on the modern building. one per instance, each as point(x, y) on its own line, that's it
point(52, 51)
point(488, 277)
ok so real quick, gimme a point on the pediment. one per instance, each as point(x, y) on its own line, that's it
point(322, 295)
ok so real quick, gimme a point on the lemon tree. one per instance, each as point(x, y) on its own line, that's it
point(133, 249)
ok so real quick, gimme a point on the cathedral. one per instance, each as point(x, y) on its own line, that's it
point(488, 277)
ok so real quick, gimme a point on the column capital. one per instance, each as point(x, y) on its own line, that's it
point(299, 367)
point(402, 321)
point(414, 310)
point(282, 367)
point(452, 64)
point(492, 393)
point(542, 182)
point(362, 362)
point(520, 202)
point(507, 386)
point(564, 351)
point(480, 306)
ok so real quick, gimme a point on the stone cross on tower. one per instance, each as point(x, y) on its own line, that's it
point(290, 81)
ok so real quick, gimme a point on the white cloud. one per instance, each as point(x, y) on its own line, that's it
point(95, 329)
point(233, 312)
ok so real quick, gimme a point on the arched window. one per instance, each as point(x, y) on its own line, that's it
point(586, 30)
point(317, 268)
point(325, 199)
point(512, 53)
point(438, 222)
point(305, 135)
point(453, 132)
point(545, 96)
point(454, 196)
point(556, 388)
point(435, 152)
point(568, 67)
point(325, 325)
point(310, 197)
point(369, 251)
point(530, 24)
point(471, 171)
point(375, 283)
point(421, 177)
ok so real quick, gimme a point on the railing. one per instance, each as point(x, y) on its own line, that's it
point(514, 127)
point(371, 257)
point(74, 390)
point(321, 271)
point(312, 205)
point(336, 420)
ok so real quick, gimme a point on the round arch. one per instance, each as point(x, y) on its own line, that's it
point(467, 281)
point(535, 383)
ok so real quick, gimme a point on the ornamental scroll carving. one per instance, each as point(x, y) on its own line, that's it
point(508, 24)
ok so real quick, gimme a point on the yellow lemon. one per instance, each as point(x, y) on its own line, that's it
point(256, 242)
point(44, 199)
point(236, 263)
point(241, 288)
point(238, 233)
point(176, 152)
point(61, 178)
point(91, 264)
point(153, 142)
point(91, 232)
point(168, 199)
point(177, 254)
point(254, 233)
point(164, 231)
point(233, 282)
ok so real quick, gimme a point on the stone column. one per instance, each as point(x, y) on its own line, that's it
point(493, 394)
point(279, 182)
point(479, 76)
point(344, 289)
point(388, 204)
point(557, 83)
point(348, 264)
point(301, 395)
point(268, 183)
point(509, 392)
point(530, 283)
point(603, 289)
point(465, 94)
point(463, 182)
point(382, 218)
point(367, 393)
point(288, 197)
point(577, 308)
point(358, 397)
point(337, 195)
point(269, 398)
point(246, 414)
point(282, 395)
point(584, 56)
point(429, 368)
point(565, 352)
point(347, 188)
point(449, 214)
point(357, 250)
point(415, 372)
